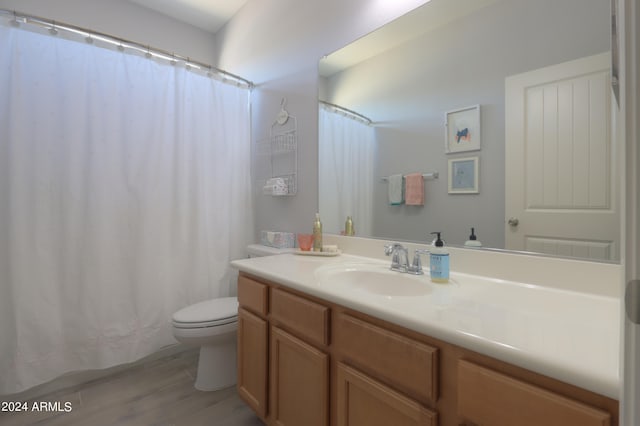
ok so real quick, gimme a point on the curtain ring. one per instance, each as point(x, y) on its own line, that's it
point(14, 21)
point(53, 30)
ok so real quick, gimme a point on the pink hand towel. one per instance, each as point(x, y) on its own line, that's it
point(414, 189)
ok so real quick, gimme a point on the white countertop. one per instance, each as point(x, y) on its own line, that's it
point(568, 335)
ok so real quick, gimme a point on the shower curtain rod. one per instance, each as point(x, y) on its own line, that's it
point(53, 26)
point(357, 115)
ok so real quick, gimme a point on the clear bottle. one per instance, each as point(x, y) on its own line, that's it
point(439, 261)
point(317, 234)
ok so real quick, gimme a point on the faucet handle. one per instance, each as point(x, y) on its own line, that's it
point(390, 248)
point(416, 265)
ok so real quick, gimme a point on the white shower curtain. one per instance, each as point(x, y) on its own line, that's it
point(345, 161)
point(124, 194)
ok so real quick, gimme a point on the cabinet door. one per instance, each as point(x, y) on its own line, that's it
point(299, 382)
point(363, 401)
point(252, 361)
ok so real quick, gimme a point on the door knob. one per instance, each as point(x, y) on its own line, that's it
point(513, 221)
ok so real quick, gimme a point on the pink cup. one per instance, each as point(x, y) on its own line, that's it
point(305, 241)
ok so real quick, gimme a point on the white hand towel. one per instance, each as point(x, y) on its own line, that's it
point(396, 190)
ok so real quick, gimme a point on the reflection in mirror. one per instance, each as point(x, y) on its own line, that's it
point(347, 153)
point(546, 160)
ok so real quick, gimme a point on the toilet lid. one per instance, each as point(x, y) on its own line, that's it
point(208, 313)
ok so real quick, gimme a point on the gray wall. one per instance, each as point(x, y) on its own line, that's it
point(409, 89)
point(277, 45)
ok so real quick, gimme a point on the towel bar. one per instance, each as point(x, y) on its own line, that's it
point(433, 175)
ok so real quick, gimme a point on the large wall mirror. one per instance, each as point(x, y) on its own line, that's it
point(504, 106)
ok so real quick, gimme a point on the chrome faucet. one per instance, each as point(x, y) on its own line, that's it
point(400, 259)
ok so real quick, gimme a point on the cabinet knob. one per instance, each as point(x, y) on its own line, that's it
point(513, 221)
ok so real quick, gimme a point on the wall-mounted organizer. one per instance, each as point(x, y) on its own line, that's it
point(277, 156)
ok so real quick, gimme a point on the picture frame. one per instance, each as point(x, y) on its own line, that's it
point(462, 130)
point(463, 175)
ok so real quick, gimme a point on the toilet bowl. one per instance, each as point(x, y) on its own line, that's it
point(212, 325)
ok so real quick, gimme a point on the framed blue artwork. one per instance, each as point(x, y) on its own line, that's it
point(463, 175)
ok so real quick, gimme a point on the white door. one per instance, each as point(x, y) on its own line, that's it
point(628, 23)
point(561, 196)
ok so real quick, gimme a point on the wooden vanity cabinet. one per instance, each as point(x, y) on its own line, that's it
point(306, 361)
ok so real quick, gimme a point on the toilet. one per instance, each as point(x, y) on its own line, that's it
point(212, 325)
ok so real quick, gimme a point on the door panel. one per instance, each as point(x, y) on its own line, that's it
point(559, 161)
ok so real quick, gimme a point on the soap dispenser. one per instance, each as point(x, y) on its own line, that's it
point(439, 261)
point(473, 240)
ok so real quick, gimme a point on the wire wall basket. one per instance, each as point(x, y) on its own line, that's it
point(277, 157)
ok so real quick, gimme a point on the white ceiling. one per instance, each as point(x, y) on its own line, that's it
point(209, 15)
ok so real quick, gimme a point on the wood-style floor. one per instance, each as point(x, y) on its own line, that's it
point(158, 393)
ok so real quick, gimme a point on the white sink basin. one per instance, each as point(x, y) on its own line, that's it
point(373, 279)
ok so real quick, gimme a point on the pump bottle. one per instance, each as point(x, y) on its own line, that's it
point(439, 261)
point(473, 240)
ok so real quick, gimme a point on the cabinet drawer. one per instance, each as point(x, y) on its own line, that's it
point(487, 397)
point(365, 401)
point(308, 319)
point(404, 363)
point(253, 295)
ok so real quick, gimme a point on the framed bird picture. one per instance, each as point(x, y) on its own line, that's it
point(463, 129)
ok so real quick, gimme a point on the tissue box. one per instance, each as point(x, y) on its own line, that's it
point(278, 239)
